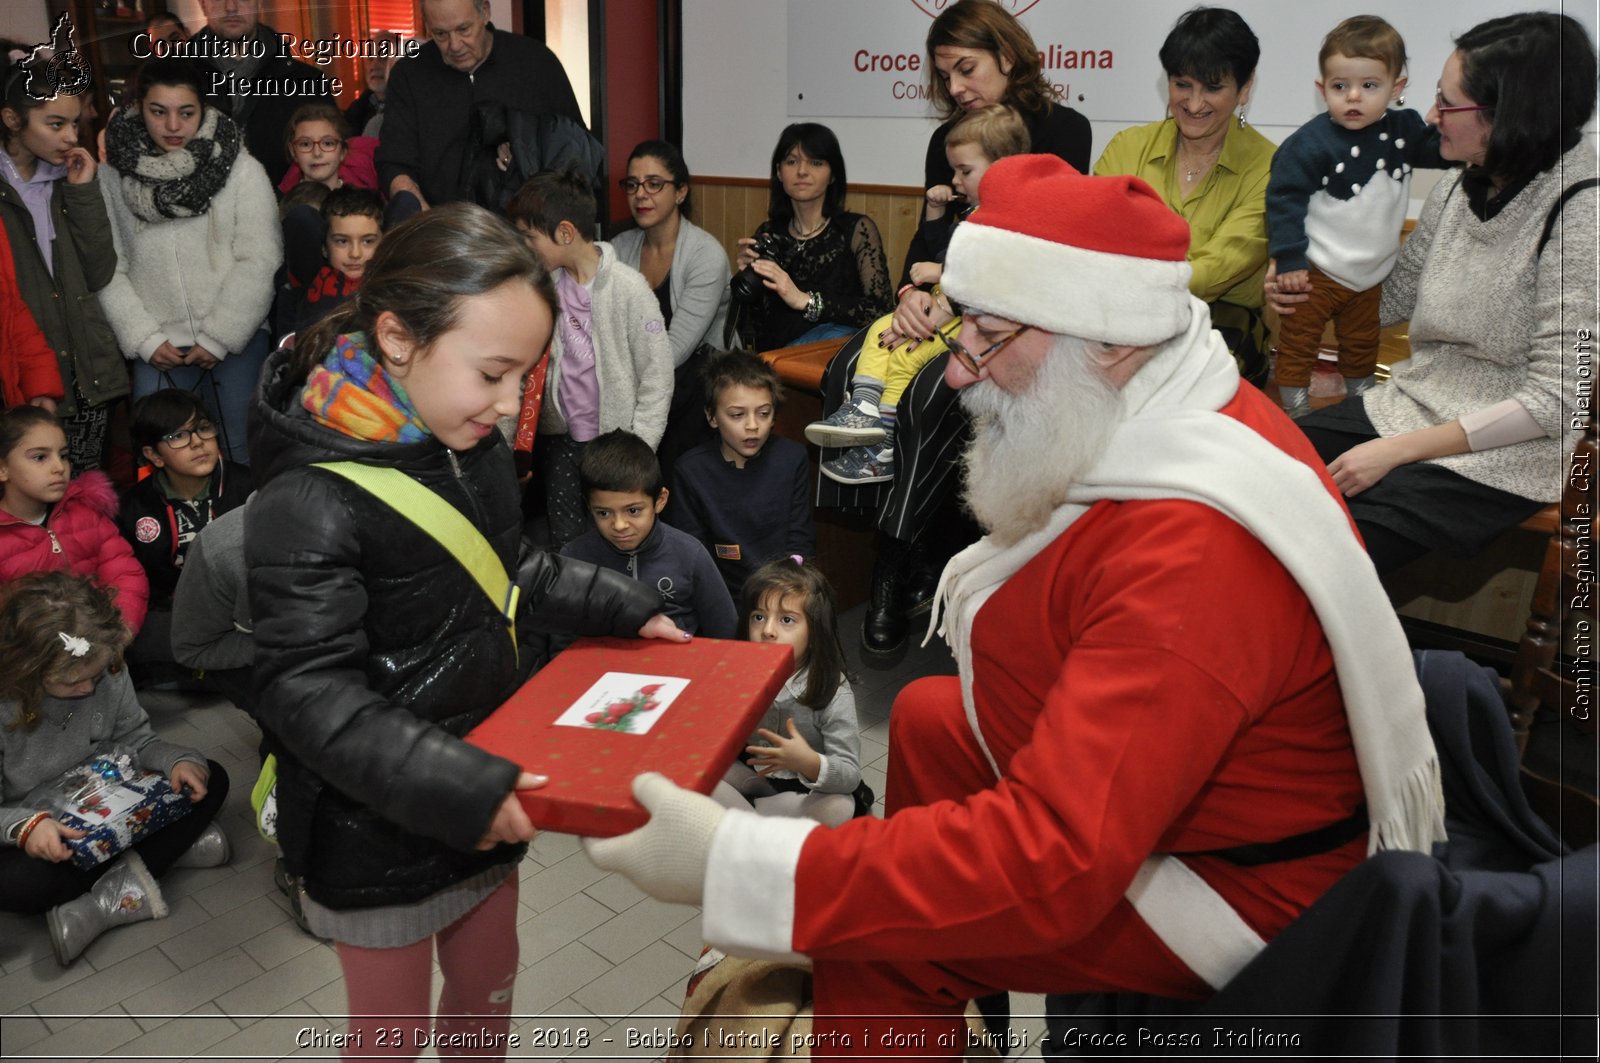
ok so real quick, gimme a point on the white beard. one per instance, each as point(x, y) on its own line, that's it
point(1029, 449)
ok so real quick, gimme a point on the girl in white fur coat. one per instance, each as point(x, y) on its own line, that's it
point(195, 226)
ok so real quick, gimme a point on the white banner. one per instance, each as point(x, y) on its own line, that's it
point(866, 58)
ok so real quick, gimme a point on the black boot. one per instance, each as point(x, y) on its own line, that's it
point(883, 632)
point(923, 568)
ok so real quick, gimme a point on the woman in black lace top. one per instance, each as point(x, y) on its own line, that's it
point(823, 269)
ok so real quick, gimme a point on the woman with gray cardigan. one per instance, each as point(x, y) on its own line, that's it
point(1471, 434)
point(688, 271)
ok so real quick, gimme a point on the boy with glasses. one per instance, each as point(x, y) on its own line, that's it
point(1338, 196)
point(184, 484)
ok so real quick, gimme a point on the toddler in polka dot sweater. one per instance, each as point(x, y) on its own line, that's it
point(1336, 202)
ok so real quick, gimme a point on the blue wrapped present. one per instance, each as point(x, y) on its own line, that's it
point(116, 804)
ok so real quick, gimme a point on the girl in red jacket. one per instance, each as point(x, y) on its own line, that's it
point(28, 369)
point(50, 522)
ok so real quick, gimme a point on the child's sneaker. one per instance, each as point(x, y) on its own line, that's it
point(848, 426)
point(861, 465)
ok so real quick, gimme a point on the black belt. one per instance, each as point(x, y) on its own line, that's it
point(1311, 843)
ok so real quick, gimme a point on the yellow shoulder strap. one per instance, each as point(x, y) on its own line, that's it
point(443, 523)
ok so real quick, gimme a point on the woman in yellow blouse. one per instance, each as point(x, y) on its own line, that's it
point(1212, 169)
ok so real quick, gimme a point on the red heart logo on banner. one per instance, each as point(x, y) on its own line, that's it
point(934, 8)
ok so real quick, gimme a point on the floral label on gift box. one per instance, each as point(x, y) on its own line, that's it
point(623, 701)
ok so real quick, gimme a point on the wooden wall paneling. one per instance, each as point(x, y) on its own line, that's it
point(752, 212)
point(732, 207)
point(711, 211)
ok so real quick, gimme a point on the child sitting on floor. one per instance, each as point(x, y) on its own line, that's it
point(65, 698)
point(805, 758)
point(890, 356)
point(50, 521)
point(186, 483)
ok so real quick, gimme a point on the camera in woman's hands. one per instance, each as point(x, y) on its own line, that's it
point(746, 286)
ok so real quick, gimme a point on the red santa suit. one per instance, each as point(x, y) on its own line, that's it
point(1151, 680)
point(1192, 654)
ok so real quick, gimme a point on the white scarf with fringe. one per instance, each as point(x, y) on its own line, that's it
point(1175, 445)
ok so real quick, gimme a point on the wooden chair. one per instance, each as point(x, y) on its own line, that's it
point(1472, 606)
point(1552, 695)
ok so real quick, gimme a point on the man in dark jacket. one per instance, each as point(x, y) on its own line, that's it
point(234, 27)
point(431, 97)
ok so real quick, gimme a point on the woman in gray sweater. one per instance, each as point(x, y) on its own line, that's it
point(688, 271)
point(1499, 283)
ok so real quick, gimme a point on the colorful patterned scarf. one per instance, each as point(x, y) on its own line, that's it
point(351, 393)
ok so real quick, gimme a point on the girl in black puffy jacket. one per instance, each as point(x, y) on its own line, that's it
point(376, 650)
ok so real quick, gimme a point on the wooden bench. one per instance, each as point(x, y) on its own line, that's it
point(844, 540)
point(1476, 605)
point(1551, 691)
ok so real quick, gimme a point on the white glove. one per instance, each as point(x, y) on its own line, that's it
point(667, 856)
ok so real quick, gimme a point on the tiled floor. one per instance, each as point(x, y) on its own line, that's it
point(228, 976)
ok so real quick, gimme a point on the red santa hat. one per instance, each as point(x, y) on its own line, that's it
point(1100, 258)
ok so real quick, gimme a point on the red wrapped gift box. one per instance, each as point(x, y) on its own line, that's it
point(592, 760)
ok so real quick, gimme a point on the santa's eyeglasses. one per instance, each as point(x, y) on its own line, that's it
point(974, 362)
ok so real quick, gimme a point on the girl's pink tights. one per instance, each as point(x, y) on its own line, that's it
point(389, 988)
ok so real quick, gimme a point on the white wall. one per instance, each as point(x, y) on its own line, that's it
point(28, 21)
point(566, 31)
point(736, 76)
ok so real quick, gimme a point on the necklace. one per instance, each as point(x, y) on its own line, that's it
point(1194, 170)
point(794, 230)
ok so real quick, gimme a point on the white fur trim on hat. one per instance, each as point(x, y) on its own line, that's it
point(1073, 291)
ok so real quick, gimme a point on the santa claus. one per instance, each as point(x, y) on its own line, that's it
point(1184, 705)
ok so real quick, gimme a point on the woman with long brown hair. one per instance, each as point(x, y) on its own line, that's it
point(1472, 433)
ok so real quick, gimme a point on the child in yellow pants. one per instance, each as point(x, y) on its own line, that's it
point(865, 421)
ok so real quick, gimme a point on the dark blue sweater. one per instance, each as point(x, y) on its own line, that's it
point(745, 517)
point(1337, 198)
point(676, 565)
